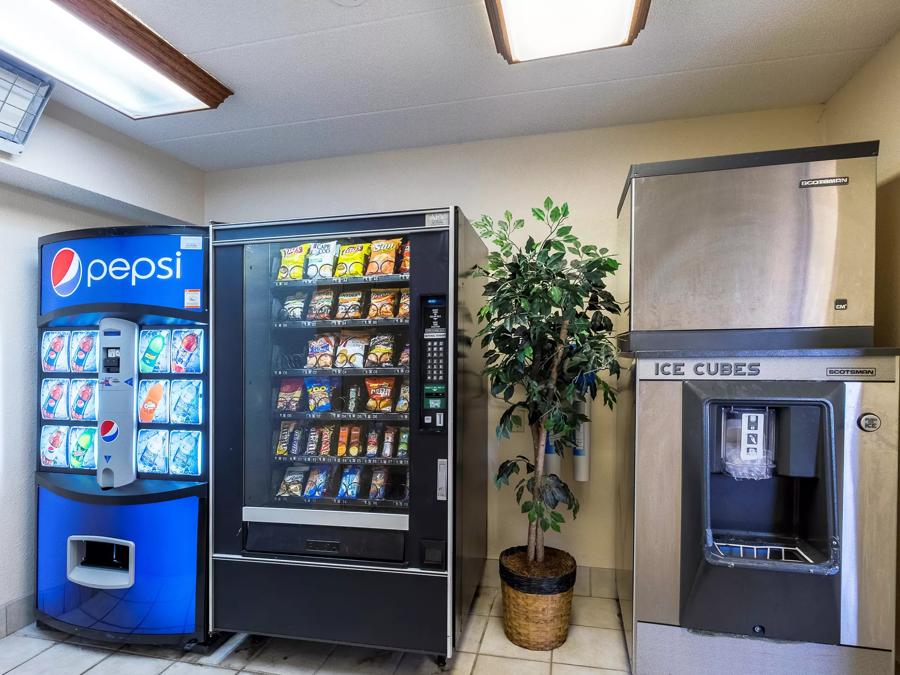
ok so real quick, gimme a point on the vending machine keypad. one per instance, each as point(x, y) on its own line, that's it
point(434, 363)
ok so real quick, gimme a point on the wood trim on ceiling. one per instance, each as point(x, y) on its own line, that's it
point(139, 39)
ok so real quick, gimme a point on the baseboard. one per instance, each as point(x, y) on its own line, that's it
point(16, 614)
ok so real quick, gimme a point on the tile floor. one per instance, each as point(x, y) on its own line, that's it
point(595, 646)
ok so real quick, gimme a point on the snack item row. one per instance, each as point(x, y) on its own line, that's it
point(341, 440)
point(330, 259)
point(318, 481)
point(355, 350)
point(327, 394)
point(327, 303)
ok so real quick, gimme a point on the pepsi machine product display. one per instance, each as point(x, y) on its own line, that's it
point(348, 391)
point(122, 434)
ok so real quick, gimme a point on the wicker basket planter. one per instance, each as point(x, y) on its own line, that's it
point(537, 599)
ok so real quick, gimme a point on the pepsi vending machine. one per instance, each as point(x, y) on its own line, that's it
point(121, 460)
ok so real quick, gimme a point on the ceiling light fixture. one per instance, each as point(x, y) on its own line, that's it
point(536, 29)
point(103, 51)
point(23, 95)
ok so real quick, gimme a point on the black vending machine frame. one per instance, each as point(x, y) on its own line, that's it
point(80, 484)
point(412, 603)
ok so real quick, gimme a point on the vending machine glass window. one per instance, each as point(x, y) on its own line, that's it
point(329, 401)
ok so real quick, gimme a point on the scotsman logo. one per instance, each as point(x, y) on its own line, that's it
point(853, 372)
point(65, 270)
point(825, 182)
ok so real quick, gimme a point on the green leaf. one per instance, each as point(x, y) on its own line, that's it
point(548, 203)
point(537, 213)
point(564, 230)
point(556, 294)
point(554, 216)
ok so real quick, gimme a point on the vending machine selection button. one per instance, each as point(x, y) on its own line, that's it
point(435, 388)
point(434, 404)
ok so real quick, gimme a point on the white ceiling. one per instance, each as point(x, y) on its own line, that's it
point(318, 78)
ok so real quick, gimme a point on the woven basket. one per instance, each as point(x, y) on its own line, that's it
point(536, 610)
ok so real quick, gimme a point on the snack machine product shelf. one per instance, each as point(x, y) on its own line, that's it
point(342, 323)
point(345, 459)
point(341, 372)
point(342, 281)
point(371, 416)
point(333, 501)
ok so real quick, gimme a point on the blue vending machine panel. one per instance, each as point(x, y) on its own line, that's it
point(124, 360)
point(150, 588)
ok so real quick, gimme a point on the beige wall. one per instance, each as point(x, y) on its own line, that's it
point(587, 168)
point(23, 218)
point(867, 106)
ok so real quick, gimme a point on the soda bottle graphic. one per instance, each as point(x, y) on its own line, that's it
point(153, 457)
point(84, 396)
point(185, 351)
point(83, 446)
point(52, 447)
point(53, 351)
point(151, 353)
point(151, 403)
point(185, 410)
point(184, 458)
point(48, 410)
point(85, 345)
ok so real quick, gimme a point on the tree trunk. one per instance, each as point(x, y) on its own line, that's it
point(535, 534)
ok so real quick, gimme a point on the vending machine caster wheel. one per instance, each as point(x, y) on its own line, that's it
point(441, 661)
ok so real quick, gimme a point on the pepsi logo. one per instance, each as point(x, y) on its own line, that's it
point(109, 431)
point(65, 272)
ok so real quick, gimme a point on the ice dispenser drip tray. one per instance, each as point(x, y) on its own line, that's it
point(760, 550)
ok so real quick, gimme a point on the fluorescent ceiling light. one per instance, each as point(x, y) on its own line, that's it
point(23, 95)
point(535, 29)
point(92, 45)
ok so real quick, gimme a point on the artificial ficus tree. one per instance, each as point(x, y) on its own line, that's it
point(547, 332)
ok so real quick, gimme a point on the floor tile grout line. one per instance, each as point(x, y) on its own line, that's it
point(31, 657)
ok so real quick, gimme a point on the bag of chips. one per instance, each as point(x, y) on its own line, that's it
point(351, 350)
point(292, 483)
point(403, 443)
point(404, 264)
point(349, 488)
point(294, 306)
point(320, 260)
point(382, 303)
point(378, 484)
point(343, 438)
point(349, 305)
point(320, 353)
point(381, 351)
point(387, 446)
point(352, 260)
point(354, 446)
point(403, 309)
point(290, 394)
point(284, 438)
point(327, 433)
point(317, 485)
point(320, 305)
point(384, 257)
point(372, 443)
point(404, 356)
point(292, 260)
point(403, 398)
point(353, 398)
point(381, 394)
point(318, 393)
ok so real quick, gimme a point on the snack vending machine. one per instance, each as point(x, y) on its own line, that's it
point(122, 517)
point(349, 476)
